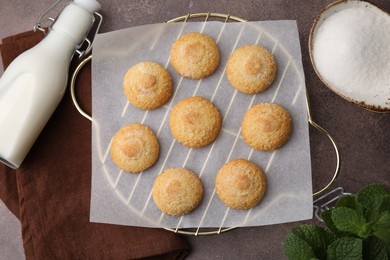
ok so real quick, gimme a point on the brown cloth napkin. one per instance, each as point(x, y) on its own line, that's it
point(50, 193)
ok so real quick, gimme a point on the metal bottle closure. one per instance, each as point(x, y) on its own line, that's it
point(34, 83)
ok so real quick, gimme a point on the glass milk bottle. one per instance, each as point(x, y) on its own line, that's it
point(34, 83)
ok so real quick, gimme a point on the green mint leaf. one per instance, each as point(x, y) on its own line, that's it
point(347, 201)
point(348, 220)
point(382, 229)
point(374, 197)
point(374, 249)
point(327, 218)
point(346, 248)
point(297, 249)
point(316, 237)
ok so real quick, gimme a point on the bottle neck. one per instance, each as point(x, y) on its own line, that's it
point(73, 22)
point(68, 31)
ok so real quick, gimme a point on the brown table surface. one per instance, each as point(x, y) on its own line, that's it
point(363, 137)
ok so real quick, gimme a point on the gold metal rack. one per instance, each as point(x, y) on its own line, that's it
point(225, 18)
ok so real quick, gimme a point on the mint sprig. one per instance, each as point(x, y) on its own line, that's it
point(358, 227)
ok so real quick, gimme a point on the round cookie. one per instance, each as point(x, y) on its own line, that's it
point(251, 69)
point(195, 122)
point(135, 148)
point(266, 126)
point(240, 184)
point(177, 191)
point(195, 55)
point(147, 85)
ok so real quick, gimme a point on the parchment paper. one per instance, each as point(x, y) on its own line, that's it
point(124, 198)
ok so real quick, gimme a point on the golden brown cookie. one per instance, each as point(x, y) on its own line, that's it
point(240, 184)
point(135, 148)
point(177, 191)
point(147, 85)
point(195, 122)
point(251, 69)
point(266, 126)
point(195, 55)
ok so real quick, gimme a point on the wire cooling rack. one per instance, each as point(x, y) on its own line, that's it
point(208, 17)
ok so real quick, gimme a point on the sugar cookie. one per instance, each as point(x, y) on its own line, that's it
point(240, 184)
point(195, 122)
point(251, 69)
point(266, 126)
point(195, 55)
point(177, 191)
point(135, 148)
point(147, 85)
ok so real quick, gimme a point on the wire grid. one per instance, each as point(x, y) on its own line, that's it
point(115, 181)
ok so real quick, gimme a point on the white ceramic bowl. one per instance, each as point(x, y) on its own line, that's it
point(366, 96)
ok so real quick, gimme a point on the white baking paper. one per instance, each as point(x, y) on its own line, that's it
point(125, 198)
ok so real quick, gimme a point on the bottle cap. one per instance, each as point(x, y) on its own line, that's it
point(90, 5)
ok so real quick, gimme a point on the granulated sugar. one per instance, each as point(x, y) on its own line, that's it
point(351, 51)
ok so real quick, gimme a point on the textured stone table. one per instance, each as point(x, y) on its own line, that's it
point(363, 137)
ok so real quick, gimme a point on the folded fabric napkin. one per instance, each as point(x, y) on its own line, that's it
point(50, 193)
